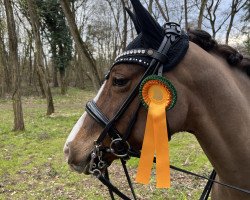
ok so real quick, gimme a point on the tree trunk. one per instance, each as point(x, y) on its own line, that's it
point(186, 15)
point(161, 11)
point(54, 67)
point(2, 82)
point(40, 82)
point(150, 7)
point(166, 9)
point(16, 97)
point(200, 18)
point(81, 46)
point(229, 27)
point(236, 6)
point(39, 55)
point(62, 80)
point(55, 80)
point(125, 26)
point(4, 63)
point(31, 67)
point(78, 73)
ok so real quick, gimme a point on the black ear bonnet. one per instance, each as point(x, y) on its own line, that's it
point(150, 37)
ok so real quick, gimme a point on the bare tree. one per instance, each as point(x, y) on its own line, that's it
point(150, 6)
point(6, 71)
point(34, 19)
point(202, 8)
point(165, 17)
point(125, 26)
point(16, 97)
point(236, 6)
point(212, 16)
point(186, 14)
point(82, 48)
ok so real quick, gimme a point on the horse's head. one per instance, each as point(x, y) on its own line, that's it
point(122, 81)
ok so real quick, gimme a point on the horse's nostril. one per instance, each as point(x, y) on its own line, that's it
point(68, 153)
point(66, 150)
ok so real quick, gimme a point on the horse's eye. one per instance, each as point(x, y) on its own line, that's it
point(120, 82)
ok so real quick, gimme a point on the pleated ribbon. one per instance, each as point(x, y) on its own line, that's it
point(155, 142)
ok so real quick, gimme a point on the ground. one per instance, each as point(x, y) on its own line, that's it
point(32, 164)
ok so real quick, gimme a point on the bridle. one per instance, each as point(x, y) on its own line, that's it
point(172, 34)
point(119, 145)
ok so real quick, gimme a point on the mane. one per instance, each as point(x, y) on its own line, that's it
point(231, 55)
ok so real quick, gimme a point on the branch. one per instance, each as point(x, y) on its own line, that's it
point(161, 11)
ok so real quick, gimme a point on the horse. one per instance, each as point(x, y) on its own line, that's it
point(212, 83)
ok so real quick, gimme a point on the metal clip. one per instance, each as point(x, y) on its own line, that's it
point(101, 164)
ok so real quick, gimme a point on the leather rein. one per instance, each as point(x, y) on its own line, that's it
point(119, 145)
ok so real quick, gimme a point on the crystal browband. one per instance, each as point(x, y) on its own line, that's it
point(170, 59)
point(138, 56)
point(135, 52)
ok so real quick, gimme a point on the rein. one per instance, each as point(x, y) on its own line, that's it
point(119, 145)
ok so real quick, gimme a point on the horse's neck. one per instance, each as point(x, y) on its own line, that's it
point(221, 105)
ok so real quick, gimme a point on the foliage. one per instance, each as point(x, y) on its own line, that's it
point(33, 166)
point(55, 28)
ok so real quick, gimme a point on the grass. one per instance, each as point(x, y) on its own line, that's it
point(32, 164)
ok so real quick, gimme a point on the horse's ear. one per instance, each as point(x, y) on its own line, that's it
point(152, 32)
point(133, 18)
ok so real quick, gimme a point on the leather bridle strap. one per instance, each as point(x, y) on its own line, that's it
point(208, 187)
point(106, 175)
point(92, 109)
point(112, 187)
point(127, 102)
point(128, 178)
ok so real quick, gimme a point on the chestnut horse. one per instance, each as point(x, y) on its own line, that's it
point(213, 104)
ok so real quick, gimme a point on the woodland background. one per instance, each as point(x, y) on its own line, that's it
point(53, 57)
point(59, 43)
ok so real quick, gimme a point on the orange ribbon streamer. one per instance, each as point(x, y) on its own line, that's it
point(155, 142)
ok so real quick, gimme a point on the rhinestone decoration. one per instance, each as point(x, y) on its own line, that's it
point(150, 52)
point(130, 56)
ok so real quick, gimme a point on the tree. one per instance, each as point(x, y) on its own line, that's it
point(186, 14)
point(212, 16)
point(16, 97)
point(58, 34)
point(6, 71)
point(202, 8)
point(236, 6)
point(82, 48)
point(165, 16)
point(125, 26)
point(34, 19)
point(246, 29)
